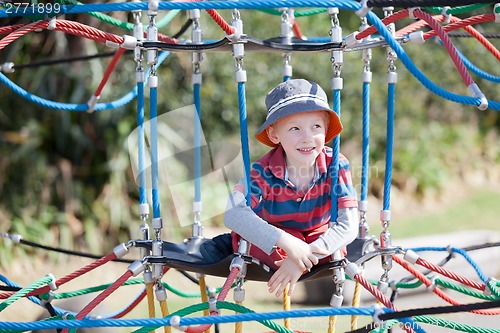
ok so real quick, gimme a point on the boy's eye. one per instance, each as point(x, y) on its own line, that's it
point(295, 128)
point(317, 126)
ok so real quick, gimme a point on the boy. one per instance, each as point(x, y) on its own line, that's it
point(288, 219)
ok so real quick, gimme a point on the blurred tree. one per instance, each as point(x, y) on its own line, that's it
point(65, 178)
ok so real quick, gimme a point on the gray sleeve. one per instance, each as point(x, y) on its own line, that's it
point(240, 218)
point(341, 233)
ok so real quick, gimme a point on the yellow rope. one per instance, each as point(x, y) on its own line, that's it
point(355, 303)
point(204, 296)
point(238, 326)
point(164, 313)
point(151, 300)
point(286, 305)
point(332, 320)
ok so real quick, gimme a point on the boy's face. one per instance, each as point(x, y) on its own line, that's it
point(302, 135)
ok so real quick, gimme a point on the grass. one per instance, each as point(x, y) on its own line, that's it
point(480, 210)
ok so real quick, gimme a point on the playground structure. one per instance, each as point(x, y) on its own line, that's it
point(158, 256)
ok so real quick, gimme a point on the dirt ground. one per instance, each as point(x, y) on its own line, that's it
point(257, 297)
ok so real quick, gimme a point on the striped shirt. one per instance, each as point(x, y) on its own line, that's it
point(276, 200)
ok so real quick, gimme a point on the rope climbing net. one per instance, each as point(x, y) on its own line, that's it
point(150, 48)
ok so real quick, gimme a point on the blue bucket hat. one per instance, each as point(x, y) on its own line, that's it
point(296, 96)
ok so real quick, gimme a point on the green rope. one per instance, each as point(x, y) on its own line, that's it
point(379, 328)
point(24, 291)
point(136, 281)
point(454, 325)
point(409, 285)
point(126, 25)
point(493, 287)
point(220, 305)
point(453, 286)
point(457, 10)
point(464, 290)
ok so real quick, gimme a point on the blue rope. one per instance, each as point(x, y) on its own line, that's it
point(75, 107)
point(164, 5)
point(186, 321)
point(286, 78)
point(244, 139)
point(473, 68)
point(366, 141)
point(462, 252)
point(140, 142)
point(153, 96)
point(66, 106)
point(389, 146)
point(494, 105)
point(335, 162)
point(197, 143)
point(479, 72)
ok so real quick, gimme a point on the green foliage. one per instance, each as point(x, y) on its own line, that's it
point(65, 178)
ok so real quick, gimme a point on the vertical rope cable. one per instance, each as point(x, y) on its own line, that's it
point(244, 138)
point(238, 326)
point(203, 293)
point(140, 142)
point(153, 96)
point(197, 143)
point(165, 313)
point(389, 147)
point(332, 321)
point(355, 303)
point(286, 305)
point(366, 141)
point(151, 300)
point(335, 177)
point(335, 160)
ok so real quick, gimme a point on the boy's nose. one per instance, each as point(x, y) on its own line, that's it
point(307, 136)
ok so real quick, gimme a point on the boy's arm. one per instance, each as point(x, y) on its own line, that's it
point(339, 234)
point(240, 218)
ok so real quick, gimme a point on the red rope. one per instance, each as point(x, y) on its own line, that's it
point(220, 22)
point(109, 70)
point(387, 20)
point(374, 291)
point(296, 30)
point(75, 274)
point(457, 24)
point(131, 306)
point(466, 25)
point(21, 32)
point(96, 34)
point(451, 275)
point(218, 19)
point(448, 45)
point(425, 280)
point(10, 28)
point(222, 296)
point(417, 25)
point(378, 294)
point(102, 296)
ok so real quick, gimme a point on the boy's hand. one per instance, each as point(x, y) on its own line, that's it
point(298, 251)
point(288, 273)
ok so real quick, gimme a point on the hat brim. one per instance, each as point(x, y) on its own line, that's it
point(334, 126)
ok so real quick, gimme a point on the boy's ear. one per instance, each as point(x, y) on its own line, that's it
point(271, 133)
